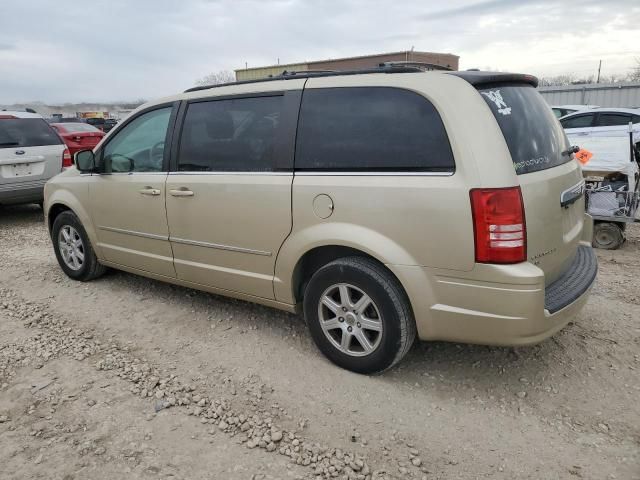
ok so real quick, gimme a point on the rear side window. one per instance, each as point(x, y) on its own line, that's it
point(26, 132)
point(370, 129)
point(231, 135)
point(613, 119)
point(579, 121)
point(534, 136)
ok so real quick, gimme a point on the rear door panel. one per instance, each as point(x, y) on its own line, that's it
point(553, 231)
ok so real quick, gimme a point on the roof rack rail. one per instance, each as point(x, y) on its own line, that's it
point(390, 67)
point(420, 66)
point(291, 73)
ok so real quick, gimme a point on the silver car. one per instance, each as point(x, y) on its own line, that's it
point(31, 153)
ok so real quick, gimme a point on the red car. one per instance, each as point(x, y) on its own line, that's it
point(78, 136)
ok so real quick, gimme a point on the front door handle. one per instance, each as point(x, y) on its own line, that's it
point(149, 191)
point(181, 192)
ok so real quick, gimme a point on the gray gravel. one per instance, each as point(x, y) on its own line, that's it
point(129, 377)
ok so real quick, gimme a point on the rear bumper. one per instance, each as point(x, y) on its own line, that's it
point(26, 192)
point(516, 309)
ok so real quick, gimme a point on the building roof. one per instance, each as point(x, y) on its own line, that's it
point(359, 57)
point(589, 86)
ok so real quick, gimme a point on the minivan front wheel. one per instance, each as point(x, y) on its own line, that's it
point(73, 248)
point(359, 315)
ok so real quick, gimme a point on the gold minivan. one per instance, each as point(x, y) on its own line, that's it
point(382, 204)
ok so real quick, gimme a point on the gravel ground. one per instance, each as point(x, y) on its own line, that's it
point(126, 377)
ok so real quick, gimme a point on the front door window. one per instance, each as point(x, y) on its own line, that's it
point(139, 146)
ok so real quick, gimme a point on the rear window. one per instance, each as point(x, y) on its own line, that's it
point(26, 132)
point(79, 127)
point(371, 129)
point(534, 136)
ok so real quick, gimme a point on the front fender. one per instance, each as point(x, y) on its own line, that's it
point(75, 199)
point(371, 242)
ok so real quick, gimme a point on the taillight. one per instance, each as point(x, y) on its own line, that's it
point(67, 161)
point(499, 225)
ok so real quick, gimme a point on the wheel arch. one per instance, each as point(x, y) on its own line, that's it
point(327, 242)
point(62, 201)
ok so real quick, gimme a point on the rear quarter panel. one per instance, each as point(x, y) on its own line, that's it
point(403, 219)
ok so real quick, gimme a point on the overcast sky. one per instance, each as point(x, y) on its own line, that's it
point(87, 50)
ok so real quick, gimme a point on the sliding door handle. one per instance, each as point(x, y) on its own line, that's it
point(181, 192)
point(149, 191)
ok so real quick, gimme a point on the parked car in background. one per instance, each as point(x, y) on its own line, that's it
point(600, 120)
point(96, 122)
point(368, 202)
point(31, 152)
point(109, 123)
point(65, 120)
point(562, 110)
point(78, 136)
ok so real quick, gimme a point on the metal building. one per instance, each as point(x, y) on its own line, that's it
point(351, 63)
point(601, 94)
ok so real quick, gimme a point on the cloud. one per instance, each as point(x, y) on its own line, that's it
point(479, 8)
point(74, 50)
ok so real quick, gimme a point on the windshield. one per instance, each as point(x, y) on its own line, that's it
point(26, 132)
point(534, 136)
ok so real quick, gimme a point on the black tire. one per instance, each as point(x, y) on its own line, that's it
point(90, 268)
point(398, 325)
point(607, 235)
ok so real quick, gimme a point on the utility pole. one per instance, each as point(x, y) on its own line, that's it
point(599, 67)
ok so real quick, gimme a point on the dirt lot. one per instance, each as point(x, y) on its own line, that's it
point(126, 377)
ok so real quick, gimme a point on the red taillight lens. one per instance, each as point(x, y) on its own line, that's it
point(499, 225)
point(67, 161)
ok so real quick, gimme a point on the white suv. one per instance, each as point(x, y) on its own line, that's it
point(31, 153)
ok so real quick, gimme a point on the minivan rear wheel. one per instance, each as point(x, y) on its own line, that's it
point(358, 315)
point(73, 248)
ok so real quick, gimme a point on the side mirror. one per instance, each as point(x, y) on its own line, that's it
point(85, 161)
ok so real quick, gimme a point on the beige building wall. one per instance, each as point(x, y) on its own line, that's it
point(352, 63)
point(263, 72)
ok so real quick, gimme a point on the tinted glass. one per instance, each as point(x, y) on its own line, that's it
point(78, 127)
point(579, 121)
point(371, 128)
point(26, 132)
point(613, 119)
point(139, 146)
point(534, 136)
point(231, 135)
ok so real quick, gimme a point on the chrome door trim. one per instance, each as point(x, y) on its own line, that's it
point(572, 194)
point(217, 246)
point(134, 233)
point(280, 174)
point(324, 173)
point(337, 173)
point(131, 173)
